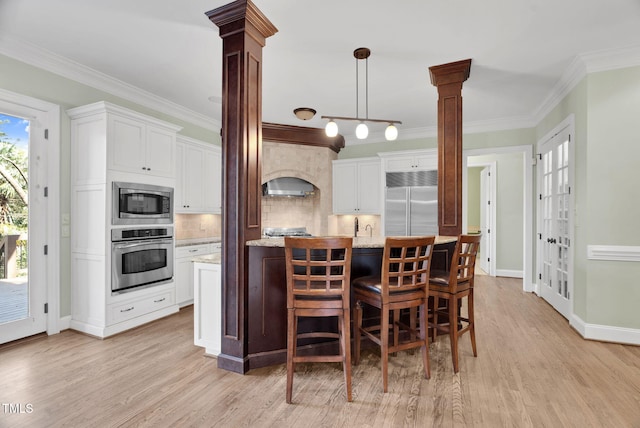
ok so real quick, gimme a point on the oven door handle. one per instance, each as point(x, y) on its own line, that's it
point(133, 244)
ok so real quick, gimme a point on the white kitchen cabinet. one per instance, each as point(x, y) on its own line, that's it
point(139, 306)
point(207, 312)
point(357, 187)
point(410, 160)
point(199, 178)
point(183, 269)
point(100, 134)
point(213, 198)
point(140, 146)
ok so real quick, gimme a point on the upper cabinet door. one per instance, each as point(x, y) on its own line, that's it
point(160, 152)
point(198, 168)
point(138, 147)
point(369, 187)
point(410, 160)
point(356, 187)
point(193, 179)
point(345, 188)
point(212, 179)
point(127, 144)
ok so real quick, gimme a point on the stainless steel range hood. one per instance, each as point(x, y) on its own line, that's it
point(288, 186)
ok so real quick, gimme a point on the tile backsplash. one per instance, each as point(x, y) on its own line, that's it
point(189, 226)
point(344, 225)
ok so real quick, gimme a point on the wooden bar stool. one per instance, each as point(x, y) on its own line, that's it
point(448, 288)
point(318, 285)
point(403, 283)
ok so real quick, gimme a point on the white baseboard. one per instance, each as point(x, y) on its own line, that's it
point(605, 333)
point(64, 323)
point(510, 273)
point(106, 331)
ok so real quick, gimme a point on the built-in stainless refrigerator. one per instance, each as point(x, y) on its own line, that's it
point(411, 203)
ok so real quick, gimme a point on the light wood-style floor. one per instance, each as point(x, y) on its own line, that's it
point(532, 370)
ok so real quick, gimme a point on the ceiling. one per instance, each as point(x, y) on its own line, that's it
point(166, 54)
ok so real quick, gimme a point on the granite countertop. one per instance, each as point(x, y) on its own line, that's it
point(359, 242)
point(214, 258)
point(197, 241)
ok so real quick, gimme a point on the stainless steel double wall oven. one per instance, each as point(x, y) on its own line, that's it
point(141, 255)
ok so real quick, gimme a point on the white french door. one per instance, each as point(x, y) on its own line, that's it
point(23, 291)
point(555, 225)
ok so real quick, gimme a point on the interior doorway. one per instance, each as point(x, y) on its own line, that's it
point(501, 244)
point(481, 215)
point(29, 285)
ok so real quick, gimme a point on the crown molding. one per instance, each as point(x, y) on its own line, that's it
point(569, 79)
point(57, 64)
point(611, 59)
point(580, 67)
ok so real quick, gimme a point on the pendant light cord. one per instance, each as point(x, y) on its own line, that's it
point(366, 89)
point(357, 89)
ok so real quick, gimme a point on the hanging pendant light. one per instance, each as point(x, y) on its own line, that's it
point(362, 131)
point(331, 129)
point(391, 133)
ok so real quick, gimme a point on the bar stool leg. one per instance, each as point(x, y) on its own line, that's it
point(345, 341)
point(384, 345)
point(453, 331)
point(424, 327)
point(291, 350)
point(356, 330)
point(472, 323)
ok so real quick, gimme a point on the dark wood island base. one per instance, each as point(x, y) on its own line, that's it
point(266, 296)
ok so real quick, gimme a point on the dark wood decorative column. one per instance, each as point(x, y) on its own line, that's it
point(448, 78)
point(243, 29)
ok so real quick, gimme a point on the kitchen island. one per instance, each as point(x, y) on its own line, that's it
point(266, 313)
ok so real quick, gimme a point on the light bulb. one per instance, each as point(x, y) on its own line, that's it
point(362, 131)
point(331, 129)
point(391, 133)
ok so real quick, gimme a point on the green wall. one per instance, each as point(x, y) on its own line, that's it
point(473, 197)
point(605, 106)
point(613, 202)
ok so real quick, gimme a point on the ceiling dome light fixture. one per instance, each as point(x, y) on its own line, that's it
point(391, 133)
point(304, 113)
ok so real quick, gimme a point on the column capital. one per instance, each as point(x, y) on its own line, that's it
point(242, 15)
point(453, 72)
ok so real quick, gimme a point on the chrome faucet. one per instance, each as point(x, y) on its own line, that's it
point(370, 229)
point(356, 227)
